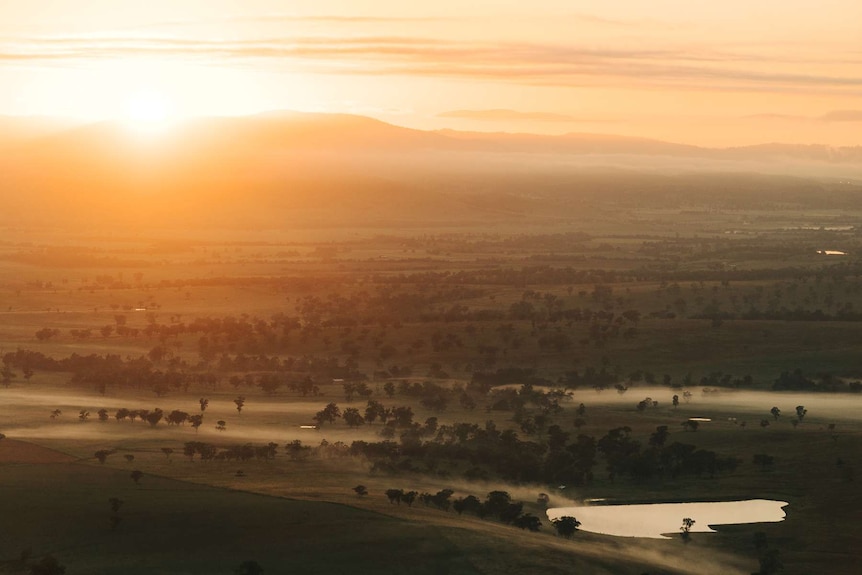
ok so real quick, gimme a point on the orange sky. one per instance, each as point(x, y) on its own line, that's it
point(714, 73)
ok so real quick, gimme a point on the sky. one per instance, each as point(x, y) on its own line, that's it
point(694, 71)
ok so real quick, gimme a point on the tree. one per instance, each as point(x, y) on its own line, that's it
point(204, 403)
point(221, 425)
point(177, 417)
point(770, 563)
point(690, 425)
point(675, 401)
point(83, 415)
point(763, 460)
point(167, 451)
point(685, 530)
point(154, 417)
point(329, 414)
point(566, 526)
point(103, 414)
point(776, 413)
point(116, 503)
point(394, 495)
point(249, 568)
point(129, 457)
point(102, 455)
point(409, 497)
point(361, 490)
point(196, 421)
point(56, 413)
point(659, 438)
point(136, 476)
point(528, 521)
point(352, 417)
point(47, 566)
point(240, 403)
point(800, 412)
point(467, 402)
point(6, 375)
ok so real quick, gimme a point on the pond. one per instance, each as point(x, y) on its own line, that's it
point(659, 520)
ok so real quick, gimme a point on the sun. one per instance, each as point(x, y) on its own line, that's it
point(148, 111)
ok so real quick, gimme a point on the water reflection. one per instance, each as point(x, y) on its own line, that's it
point(658, 520)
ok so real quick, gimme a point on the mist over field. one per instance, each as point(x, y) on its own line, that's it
point(322, 170)
point(448, 288)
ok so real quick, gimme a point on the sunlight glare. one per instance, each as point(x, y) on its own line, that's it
point(148, 112)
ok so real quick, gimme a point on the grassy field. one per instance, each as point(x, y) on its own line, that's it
point(439, 302)
point(305, 513)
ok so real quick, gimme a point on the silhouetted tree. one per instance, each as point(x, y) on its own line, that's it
point(249, 568)
point(566, 526)
point(47, 566)
point(685, 530)
point(776, 413)
point(136, 476)
point(102, 455)
point(770, 563)
point(240, 403)
point(115, 504)
point(154, 417)
point(528, 521)
point(361, 490)
point(352, 417)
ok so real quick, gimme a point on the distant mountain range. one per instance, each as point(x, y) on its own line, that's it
point(283, 130)
point(324, 168)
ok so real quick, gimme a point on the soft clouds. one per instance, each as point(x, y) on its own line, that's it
point(569, 65)
point(505, 115)
point(842, 116)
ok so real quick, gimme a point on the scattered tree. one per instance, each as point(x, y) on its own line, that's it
point(566, 526)
point(102, 455)
point(48, 566)
point(249, 568)
point(685, 530)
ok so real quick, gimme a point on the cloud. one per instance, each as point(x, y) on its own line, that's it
point(568, 65)
point(507, 115)
point(777, 117)
point(283, 19)
point(842, 116)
